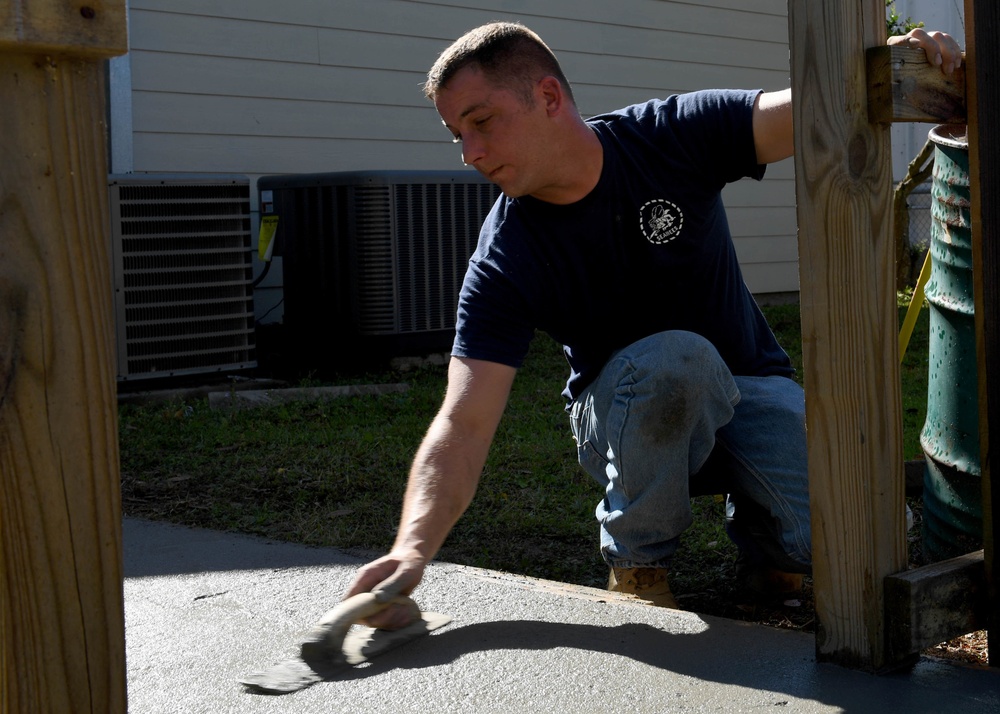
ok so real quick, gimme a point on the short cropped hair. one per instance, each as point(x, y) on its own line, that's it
point(508, 53)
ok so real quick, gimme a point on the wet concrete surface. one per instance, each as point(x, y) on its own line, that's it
point(203, 609)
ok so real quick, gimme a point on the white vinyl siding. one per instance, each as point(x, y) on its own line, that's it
point(253, 88)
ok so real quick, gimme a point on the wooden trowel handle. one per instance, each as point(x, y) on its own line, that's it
point(325, 640)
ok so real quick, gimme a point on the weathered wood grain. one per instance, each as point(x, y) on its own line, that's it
point(95, 28)
point(982, 25)
point(935, 603)
point(904, 86)
point(847, 291)
point(62, 639)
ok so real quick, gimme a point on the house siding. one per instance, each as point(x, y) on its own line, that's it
point(253, 88)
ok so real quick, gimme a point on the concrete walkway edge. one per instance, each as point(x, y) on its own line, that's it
point(204, 608)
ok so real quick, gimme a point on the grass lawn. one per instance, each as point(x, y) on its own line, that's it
point(333, 474)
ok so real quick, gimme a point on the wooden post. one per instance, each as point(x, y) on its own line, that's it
point(849, 327)
point(62, 635)
point(982, 22)
point(933, 603)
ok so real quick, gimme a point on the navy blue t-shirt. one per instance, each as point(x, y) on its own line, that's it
point(648, 250)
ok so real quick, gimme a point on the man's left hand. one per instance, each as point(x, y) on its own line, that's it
point(941, 48)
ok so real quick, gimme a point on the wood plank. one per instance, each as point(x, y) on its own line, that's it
point(643, 79)
point(849, 325)
point(62, 631)
point(231, 76)
point(757, 18)
point(933, 604)
point(234, 76)
point(767, 249)
point(982, 26)
point(210, 114)
point(904, 86)
point(763, 278)
point(96, 29)
point(751, 220)
point(222, 37)
point(275, 155)
point(662, 43)
point(377, 45)
point(771, 192)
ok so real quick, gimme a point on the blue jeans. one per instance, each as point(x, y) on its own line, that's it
point(665, 419)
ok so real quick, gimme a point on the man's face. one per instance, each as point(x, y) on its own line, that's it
point(501, 134)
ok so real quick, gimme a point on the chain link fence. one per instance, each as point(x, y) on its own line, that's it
point(911, 224)
point(918, 208)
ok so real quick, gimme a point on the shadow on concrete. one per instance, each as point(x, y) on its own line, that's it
point(155, 549)
point(232, 598)
point(929, 686)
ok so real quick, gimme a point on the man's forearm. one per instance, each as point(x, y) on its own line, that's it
point(442, 482)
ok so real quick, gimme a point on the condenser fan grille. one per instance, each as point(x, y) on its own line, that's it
point(414, 243)
point(183, 275)
point(437, 230)
point(373, 261)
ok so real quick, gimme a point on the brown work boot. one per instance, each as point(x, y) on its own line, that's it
point(767, 583)
point(649, 584)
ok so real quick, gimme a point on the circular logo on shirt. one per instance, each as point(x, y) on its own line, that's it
point(661, 221)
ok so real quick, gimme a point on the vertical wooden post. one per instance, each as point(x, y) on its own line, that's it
point(849, 327)
point(982, 22)
point(62, 636)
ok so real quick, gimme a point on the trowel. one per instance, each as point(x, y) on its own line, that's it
point(332, 646)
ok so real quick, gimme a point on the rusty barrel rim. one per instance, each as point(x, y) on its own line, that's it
point(954, 136)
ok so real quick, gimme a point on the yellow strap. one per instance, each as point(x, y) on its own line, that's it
point(916, 301)
point(265, 238)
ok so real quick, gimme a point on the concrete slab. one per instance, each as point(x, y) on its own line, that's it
point(203, 609)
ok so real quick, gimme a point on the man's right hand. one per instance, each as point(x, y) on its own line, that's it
point(391, 575)
point(442, 482)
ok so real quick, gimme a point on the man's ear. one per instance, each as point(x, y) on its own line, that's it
point(550, 93)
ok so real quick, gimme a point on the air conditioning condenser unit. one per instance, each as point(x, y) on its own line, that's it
point(373, 261)
point(183, 274)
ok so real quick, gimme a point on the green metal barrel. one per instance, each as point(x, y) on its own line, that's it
point(952, 515)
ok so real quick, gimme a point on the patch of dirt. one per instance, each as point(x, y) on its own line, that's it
point(799, 614)
point(725, 599)
point(970, 649)
point(722, 598)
